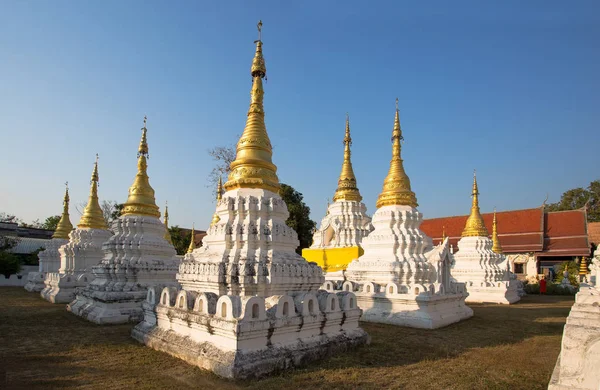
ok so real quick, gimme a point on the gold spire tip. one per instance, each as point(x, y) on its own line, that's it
point(92, 217)
point(347, 188)
point(192, 244)
point(64, 226)
point(475, 226)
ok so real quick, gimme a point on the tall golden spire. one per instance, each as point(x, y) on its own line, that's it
point(396, 186)
point(252, 167)
point(167, 233)
point(475, 226)
point(141, 195)
point(443, 233)
point(192, 244)
point(347, 189)
point(92, 214)
point(216, 218)
point(583, 270)
point(64, 226)
point(496, 247)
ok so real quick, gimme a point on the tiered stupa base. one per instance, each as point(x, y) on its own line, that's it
point(136, 257)
point(504, 292)
point(243, 337)
point(49, 262)
point(579, 359)
point(62, 288)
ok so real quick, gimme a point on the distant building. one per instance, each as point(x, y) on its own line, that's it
point(29, 239)
point(198, 235)
point(534, 240)
point(593, 229)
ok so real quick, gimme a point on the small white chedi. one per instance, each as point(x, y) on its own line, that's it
point(337, 240)
point(81, 252)
point(49, 258)
point(136, 257)
point(479, 262)
point(401, 279)
point(579, 359)
point(248, 303)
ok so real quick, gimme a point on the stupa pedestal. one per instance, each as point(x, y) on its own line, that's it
point(78, 256)
point(136, 257)
point(49, 260)
point(248, 304)
point(579, 359)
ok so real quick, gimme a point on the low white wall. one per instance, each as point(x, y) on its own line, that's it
point(14, 279)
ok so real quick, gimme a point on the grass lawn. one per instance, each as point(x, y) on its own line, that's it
point(501, 347)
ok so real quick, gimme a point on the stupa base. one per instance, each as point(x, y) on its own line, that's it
point(411, 306)
point(248, 337)
point(62, 288)
point(102, 307)
point(577, 364)
point(35, 281)
point(503, 293)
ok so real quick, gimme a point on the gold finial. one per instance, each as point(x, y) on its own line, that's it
point(475, 226)
point(64, 226)
point(443, 233)
point(192, 244)
point(583, 266)
point(167, 233)
point(216, 218)
point(259, 27)
point(396, 186)
point(252, 167)
point(141, 195)
point(93, 217)
point(347, 189)
point(496, 247)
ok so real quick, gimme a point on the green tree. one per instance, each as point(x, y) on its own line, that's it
point(181, 239)
point(577, 198)
point(9, 262)
point(299, 218)
point(51, 222)
point(573, 270)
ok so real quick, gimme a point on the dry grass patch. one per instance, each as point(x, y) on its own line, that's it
point(44, 346)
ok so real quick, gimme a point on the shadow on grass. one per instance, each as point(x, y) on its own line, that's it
point(44, 346)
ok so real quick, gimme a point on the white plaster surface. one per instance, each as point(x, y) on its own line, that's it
point(346, 224)
point(49, 261)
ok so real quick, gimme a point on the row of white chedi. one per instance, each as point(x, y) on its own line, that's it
point(246, 290)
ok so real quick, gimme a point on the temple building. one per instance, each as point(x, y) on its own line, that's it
point(49, 258)
point(579, 358)
point(248, 303)
point(81, 252)
point(136, 257)
point(402, 279)
point(337, 240)
point(533, 240)
point(479, 262)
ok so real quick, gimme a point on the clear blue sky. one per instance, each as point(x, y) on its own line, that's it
point(508, 87)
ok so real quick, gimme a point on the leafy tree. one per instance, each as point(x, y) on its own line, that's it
point(223, 156)
point(9, 262)
point(299, 218)
point(51, 222)
point(181, 240)
point(573, 270)
point(117, 209)
point(577, 198)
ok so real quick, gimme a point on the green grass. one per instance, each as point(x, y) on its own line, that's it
point(502, 347)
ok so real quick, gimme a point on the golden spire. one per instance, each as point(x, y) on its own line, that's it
point(396, 186)
point(141, 195)
point(252, 167)
point(192, 245)
point(167, 233)
point(64, 226)
point(216, 218)
point(443, 233)
point(347, 189)
point(496, 247)
point(93, 217)
point(475, 226)
point(583, 266)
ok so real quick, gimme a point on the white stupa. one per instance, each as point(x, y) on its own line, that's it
point(479, 262)
point(249, 305)
point(49, 258)
point(401, 279)
point(577, 365)
point(136, 257)
point(81, 252)
point(338, 239)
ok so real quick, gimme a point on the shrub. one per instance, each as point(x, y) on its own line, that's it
point(571, 267)
point(551, 289)
point(9, 264)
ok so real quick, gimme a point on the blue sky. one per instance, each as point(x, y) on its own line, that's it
point(510, 88)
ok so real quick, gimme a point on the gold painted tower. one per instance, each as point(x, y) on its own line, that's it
point(347, 189)
point(64, 226)
point(475, 226)
point(92, 217)
point(167, 233)
point(252, 167)
point(141, 195)
point(396, 186)
point(496, 247)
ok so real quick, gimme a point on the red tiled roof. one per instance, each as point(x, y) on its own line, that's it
point(518, 230)
point(566, 233)
point(593, 229)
